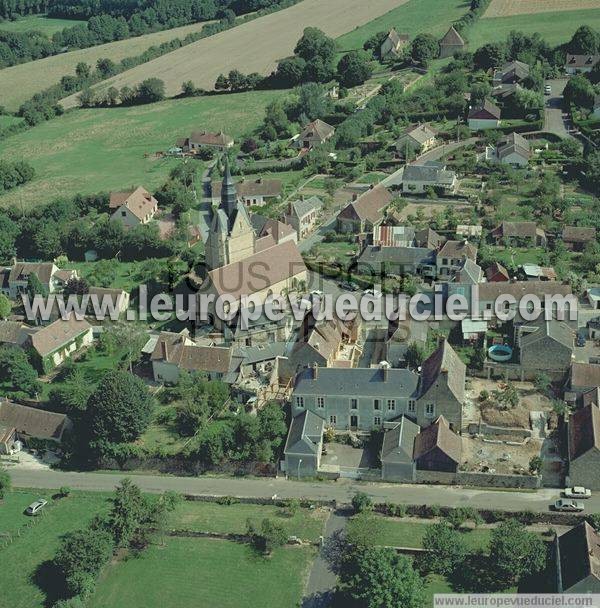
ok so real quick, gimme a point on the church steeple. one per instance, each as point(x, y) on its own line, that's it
point(228, 193)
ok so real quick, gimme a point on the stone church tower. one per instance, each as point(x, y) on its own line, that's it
point(231, 237)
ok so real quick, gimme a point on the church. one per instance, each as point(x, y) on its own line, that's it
point(243, 264)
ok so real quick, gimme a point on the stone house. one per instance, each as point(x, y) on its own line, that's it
point(205, 139)
point(416, 179)
point(512, 72)
point(22, 423)
point(417, 139)
point(118, 299)
point(133, 208)
point(270, 232)
point(451, 43)
point(519, 234)
point(496, 273)
point(397, 462)
point(365, 211)
point(50, 276)
point(304, 445)
point(544, 346)
point(577, 554)
point(451, 258)
point(437, 448)
point(470, 273)
point(484, 116)
point(584, 447)
point(314, 134)
point(252, 192)
point(382, 261)
point(579, 64)
point(513, 149)
point(392, 46)
point(302, 215)
point(583, 377)
point(54, 344)
point(441, 389)
point(576, 238)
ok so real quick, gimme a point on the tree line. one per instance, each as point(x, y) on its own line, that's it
point(13, 174)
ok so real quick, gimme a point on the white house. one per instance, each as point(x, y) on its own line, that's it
point(417, 178)
point(512, 149)
point(417, 139)
point(392, 46)
point(577, 64)
point(302, 215)
point(133, 208)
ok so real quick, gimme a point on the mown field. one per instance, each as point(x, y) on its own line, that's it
point(414, 17)
point(251, 47)
point(18, 83)
point(103, 149)
point(40, 23)
point(556, 28)
point(506, 8)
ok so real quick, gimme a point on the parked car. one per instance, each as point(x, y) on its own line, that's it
point(580, 341)
point(577, 492)
point(572, 506)
point(35, 507)
point(548, 90)
point(316, 293)
point(372, 293)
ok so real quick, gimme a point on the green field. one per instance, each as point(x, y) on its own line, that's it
point(431, 16)
point(210, 517)
point(555, 28)
point(7, 120)
point(205, 572)
point(97, 150)
point(40, 23)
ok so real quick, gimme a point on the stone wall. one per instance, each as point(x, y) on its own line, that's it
point(479, 480)
point(483, 428)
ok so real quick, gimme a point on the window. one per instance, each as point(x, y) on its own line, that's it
point(320, 402)
point(353, 404)
point(445, 261)
point(332, 419)
point(377, 421)
point(391, 405)
point(430, 410)
point(376, 404)
point(412, 405)
point(299, 401)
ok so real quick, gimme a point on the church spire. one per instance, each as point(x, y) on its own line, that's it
point(228, 192)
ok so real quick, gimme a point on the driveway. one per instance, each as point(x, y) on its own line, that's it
point(554, 122)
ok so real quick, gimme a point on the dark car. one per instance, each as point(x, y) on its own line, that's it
point(580, 340)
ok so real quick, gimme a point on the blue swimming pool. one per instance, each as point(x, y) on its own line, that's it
point(500, 352)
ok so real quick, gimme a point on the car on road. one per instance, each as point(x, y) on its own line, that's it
point(35, 507)
point(580, 341)
point(548, 90)
point(372, 293)
point(577, 492)
point(348, 286)
point(569, 505)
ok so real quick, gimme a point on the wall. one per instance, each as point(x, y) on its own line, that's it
point(486, 429)
point(480, 480)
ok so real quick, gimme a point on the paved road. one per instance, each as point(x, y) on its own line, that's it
point(553, 115)
point(322, 581)
point(342, 490)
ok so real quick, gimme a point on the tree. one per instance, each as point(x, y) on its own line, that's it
point(237, 80)
point(312, 102)
point(16, 370)
point(290, 71)
point(83, 70)
point(571, 148)
point(150, 90)
point(542, 382)
point(270, 535)
point(77, 286)
point(446, 549)
point(424, 48)
point(315, 44)
point(129, 510)
point(374, 43)
point(362, 502)
point(490, 55)
point(535, 465)
point(579, 91)
point(35, 287)
point(354, 69)
point(87, 98)
point(526, 100)
point(508, 396)
point(515, 553)
point(585, 41)
point(9, 231)
point(119, 409)
point(380, 578)
point(188, 89)
point(5, 307)
point(415, 355)
point(5, 483)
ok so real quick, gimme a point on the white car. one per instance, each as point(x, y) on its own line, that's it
point(548, 90)
point(35, 507)
point(572, 506)
point(577, 492)
point(372, 293)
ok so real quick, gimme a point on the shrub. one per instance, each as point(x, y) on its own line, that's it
point(227, 500)
point(362, 502)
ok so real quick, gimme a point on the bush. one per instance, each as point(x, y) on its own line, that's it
point(227, 500)
point(362, 502)
point(64, 491)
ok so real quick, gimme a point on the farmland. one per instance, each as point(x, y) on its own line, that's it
point(39, 23)
point(251, 47)
point(555, 28)
point(18, 83)
point(508, 8)
point(414, 17)
point(103, 149)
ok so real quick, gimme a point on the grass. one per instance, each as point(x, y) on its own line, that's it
point(97, 150)
point(125, 277)
point(414, 17)
point(210, 517)
point(39, 23)
point(20, 82)
point(204, 572)
point(7, 120)
point(24, 571)
point(555, 28)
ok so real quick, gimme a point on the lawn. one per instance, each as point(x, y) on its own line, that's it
point(24, 566)
point(39, 23)
point(211, 517)
point(414, 17)
point(205, 572)
point(96, 150)
point(7, 120)
point(555, 28)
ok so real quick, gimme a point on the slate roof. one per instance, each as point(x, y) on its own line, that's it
point(305, 432)
point(518, 289)
point(458, 249)
point(32, 421)
point(486, 110)
point(557, 330)
point(21, 271)
point(402, 256)
point(523, 230)
point(429, 238)
point(356, 382)
point(584, 431)
point(513, 69)
point(252, 187)
point(428, 173)
point(48, 339)
point(513, 143)
point(11, 332)
point(581, 61)
point(369, 206)
point(579, 554)
point(452, 38)
point(276, 264)
point(397, 39)
point(444, 361)
point(420, 133)
point(317, 129)
point(578, 234)
point(302, 207)
point(398, 442)
point(438, 435)
point(470, 272)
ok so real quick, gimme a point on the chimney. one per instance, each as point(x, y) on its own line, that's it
point(354, 197)
point(315, 369)
point(165, 350)
point(384, 366)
